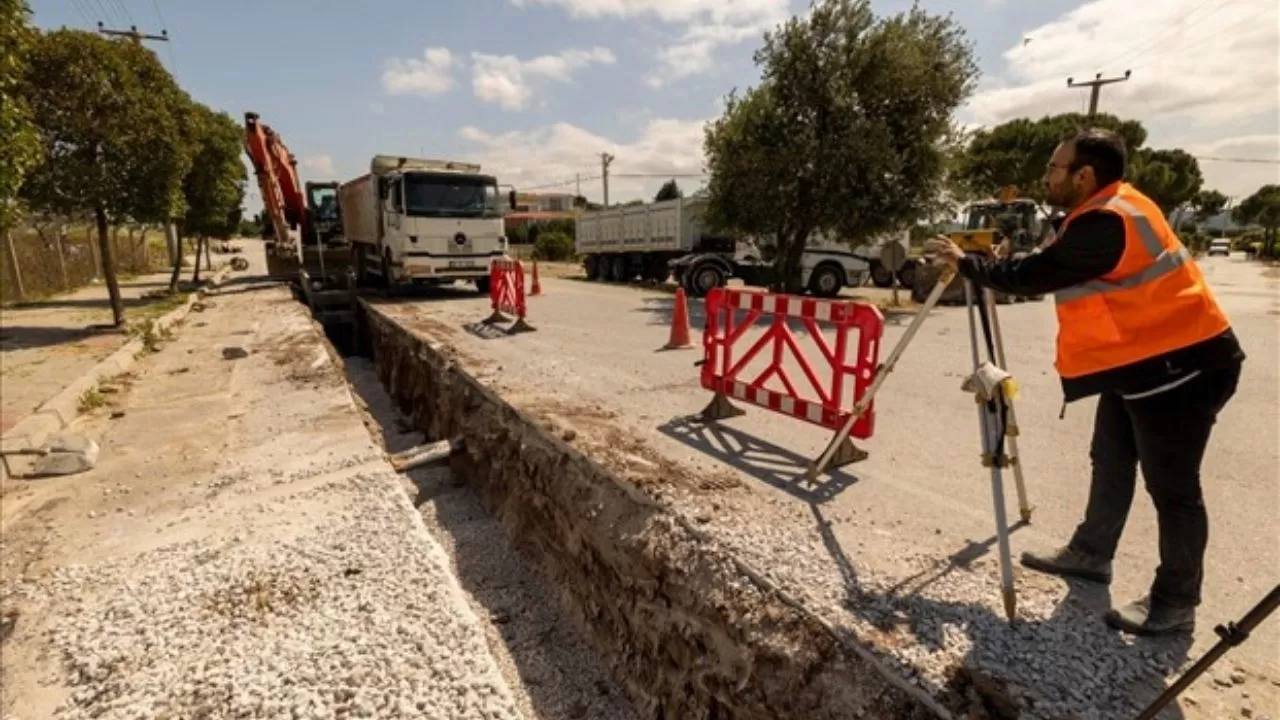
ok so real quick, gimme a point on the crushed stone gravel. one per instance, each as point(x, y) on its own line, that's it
point(352, 616)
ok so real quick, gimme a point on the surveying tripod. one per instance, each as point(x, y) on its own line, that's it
point(993, 389)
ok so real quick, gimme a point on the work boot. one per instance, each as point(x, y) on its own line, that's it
point(1068, 562)
point(1140, 617)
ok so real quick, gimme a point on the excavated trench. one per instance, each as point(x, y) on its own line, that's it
point(689, 631)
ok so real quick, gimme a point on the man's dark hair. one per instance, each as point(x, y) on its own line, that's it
point(1102, 150)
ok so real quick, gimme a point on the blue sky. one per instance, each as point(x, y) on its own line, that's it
point(536, 89)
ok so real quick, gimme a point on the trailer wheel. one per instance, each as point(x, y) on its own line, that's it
point(826, 281)
point(592, 265)
point(618, 268)
point(881, 277)
point(656, 270)
point(482, 285)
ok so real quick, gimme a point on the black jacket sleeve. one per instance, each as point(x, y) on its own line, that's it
point(1090, 248)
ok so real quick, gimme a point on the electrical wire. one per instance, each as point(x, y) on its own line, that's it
point(1135, 52)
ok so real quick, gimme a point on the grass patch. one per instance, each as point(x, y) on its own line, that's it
point(91, 400)
point(151, 334)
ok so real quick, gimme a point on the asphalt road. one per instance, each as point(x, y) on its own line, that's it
point(922, 492)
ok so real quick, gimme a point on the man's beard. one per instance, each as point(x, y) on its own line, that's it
point(1062, 200)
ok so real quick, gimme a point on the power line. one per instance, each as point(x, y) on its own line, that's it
point(1257, 161)
point(173, 56)
point(1215, 37)
point(1137, 51)
point(124, 10)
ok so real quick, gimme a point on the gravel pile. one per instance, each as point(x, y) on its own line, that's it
point(943, 625)
point(355, 617)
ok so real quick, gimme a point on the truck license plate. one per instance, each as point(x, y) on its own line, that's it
point(460, 264)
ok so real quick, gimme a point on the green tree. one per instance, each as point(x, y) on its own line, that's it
point(1016, 152)
point(831, 141)
point(1262, 208)
point(110, 128)
point(1171, 178)
point(670, 190)
point(1208, 204)
point(19, 144)
point(214, 187)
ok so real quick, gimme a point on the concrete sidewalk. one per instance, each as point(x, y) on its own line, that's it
point(46, 344)
point(242, 549)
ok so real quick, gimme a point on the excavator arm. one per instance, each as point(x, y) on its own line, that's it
point(282, 197)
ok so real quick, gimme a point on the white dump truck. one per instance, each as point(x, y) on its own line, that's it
point(653, 240)
point(423, 221)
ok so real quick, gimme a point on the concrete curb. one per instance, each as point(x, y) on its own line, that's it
point(59, 411)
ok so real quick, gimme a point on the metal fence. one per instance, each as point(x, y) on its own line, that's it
point(38, 261)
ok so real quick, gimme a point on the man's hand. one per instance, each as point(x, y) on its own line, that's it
point(947, 251)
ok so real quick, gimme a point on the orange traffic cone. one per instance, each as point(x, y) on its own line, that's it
point(679, 324)
point(537, 285)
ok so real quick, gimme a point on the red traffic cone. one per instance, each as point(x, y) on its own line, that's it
point(679, 324)
point(537, 285)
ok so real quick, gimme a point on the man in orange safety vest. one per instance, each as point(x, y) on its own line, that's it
point(1139, 327)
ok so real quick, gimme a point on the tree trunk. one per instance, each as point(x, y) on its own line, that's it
point(208, 256)
point(109, 266)
point(175, 255)
point(792, 258)
point(195, 275)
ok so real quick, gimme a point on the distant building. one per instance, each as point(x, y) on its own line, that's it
point(544, 203)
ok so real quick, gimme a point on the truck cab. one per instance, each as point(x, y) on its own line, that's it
point(427, 221)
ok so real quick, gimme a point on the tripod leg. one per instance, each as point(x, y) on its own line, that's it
point(988, 423)
point(817, 467)
point(1011, 432)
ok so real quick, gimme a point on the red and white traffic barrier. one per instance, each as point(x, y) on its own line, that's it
point(506, 294)
point(835, 385)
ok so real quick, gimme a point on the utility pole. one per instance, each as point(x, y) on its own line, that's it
point(1095, 88)
point(170, 230)
point(133, 34)
point(605, 160)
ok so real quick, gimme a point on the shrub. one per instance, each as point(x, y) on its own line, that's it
point(553, 246)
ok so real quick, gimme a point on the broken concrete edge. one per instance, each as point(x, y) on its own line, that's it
point(688, 628)
point(58, 412)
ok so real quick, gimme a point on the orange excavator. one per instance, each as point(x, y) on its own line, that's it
point(303, 233)
point(303, 230)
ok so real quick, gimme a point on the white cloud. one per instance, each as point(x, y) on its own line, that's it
point(377, 108)
point(508, 81)
point(556, 153)
point(432, 75)
point(318, 165)
point(1200, 71)
point(708, 25)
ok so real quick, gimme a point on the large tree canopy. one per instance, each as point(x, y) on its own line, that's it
point(1263, 208)
point(1016, 152)
point(109, 123)
point(214, 187)
point(19, 146)
point(847, 132)
point(670, 190)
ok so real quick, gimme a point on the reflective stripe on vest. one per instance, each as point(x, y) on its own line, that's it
point(1166, 261)
point(1154, 301)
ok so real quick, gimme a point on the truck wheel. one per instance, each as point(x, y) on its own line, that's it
point(386, 269)
point(592, 266)
point(826, 281)
point(618, 268)
point(881, 277)
point(907, 274)
point(656, 270)
point(702, 279)
point(482, 285)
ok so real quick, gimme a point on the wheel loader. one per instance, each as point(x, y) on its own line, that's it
point(988, 225)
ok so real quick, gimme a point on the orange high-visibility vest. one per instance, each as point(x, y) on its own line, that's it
point(1154, 301)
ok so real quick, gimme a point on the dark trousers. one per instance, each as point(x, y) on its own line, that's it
point(1166, 434)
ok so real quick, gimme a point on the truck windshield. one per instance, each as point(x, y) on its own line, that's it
point(444, 195)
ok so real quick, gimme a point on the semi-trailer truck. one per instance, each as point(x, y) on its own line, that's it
point(414, 220)
point(653, 240)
